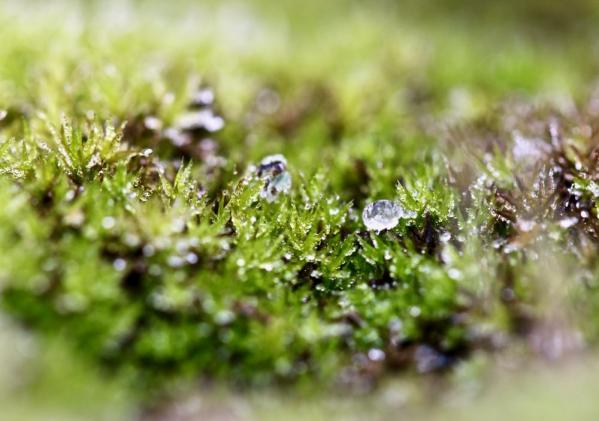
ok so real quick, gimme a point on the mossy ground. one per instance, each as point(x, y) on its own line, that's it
point(141, 245)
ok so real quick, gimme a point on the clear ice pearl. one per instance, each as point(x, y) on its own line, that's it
point(382, 214)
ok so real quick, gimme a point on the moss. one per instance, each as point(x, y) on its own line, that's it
point(133, 226)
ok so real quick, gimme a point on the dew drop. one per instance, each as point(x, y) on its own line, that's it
point(119, 264)
point(146, 152)
point(273, 169)
point(445, 237)
point(382, 214)
point(152, 123)
point(568, 222)
point(376, 354)
point(203, 119)
point(108, 222)
point(278, 184)
point(202, 97)
point(272, 165)
point(415, 311)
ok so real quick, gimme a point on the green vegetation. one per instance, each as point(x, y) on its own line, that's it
point(135, 240)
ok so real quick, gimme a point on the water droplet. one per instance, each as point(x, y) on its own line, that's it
point(74, 218)
point(119, 264)
point(202, 97)
point(177, 137)
point(382, 214)
point(272, 165)
point(568, 222)
point(191, 258)
point(445, 237)
point(70, 195)
point(146, 152)
point(273, 169)
point(454, 274)
point(178, 225)
point(415, 311)
point(375, 354)
point(148, 250)
point(152, 123)
point(267, 267)
point(175, 261)
point(278, 184)
point(203, 119)
point(108, 222)
point(224, 317)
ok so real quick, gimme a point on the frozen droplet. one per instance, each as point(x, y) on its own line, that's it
point(568, 222)
point(70, 195)
point(273, 169)
point(74, 218)
point(272, 165)
point(454, 274)
point(203, 119)
point(177, 137)
point(376, 354)
point(148, 250)
point(108, 222)
point(146, 152)
point(278, 184)
point(382, 214)
point(152, 123)
point(191, 258)
point(175, 261)
point(415, 311)
point(267, 267)
point(119, 264)
point(202, 97)
point(224, 317)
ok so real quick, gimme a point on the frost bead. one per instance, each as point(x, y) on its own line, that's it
point(280, 183)
point(382, 214)
point(272, 165)
point(273, 169)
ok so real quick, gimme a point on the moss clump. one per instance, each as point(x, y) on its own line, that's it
point(134, 227)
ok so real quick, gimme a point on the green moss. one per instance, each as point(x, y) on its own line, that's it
point(151, 252)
